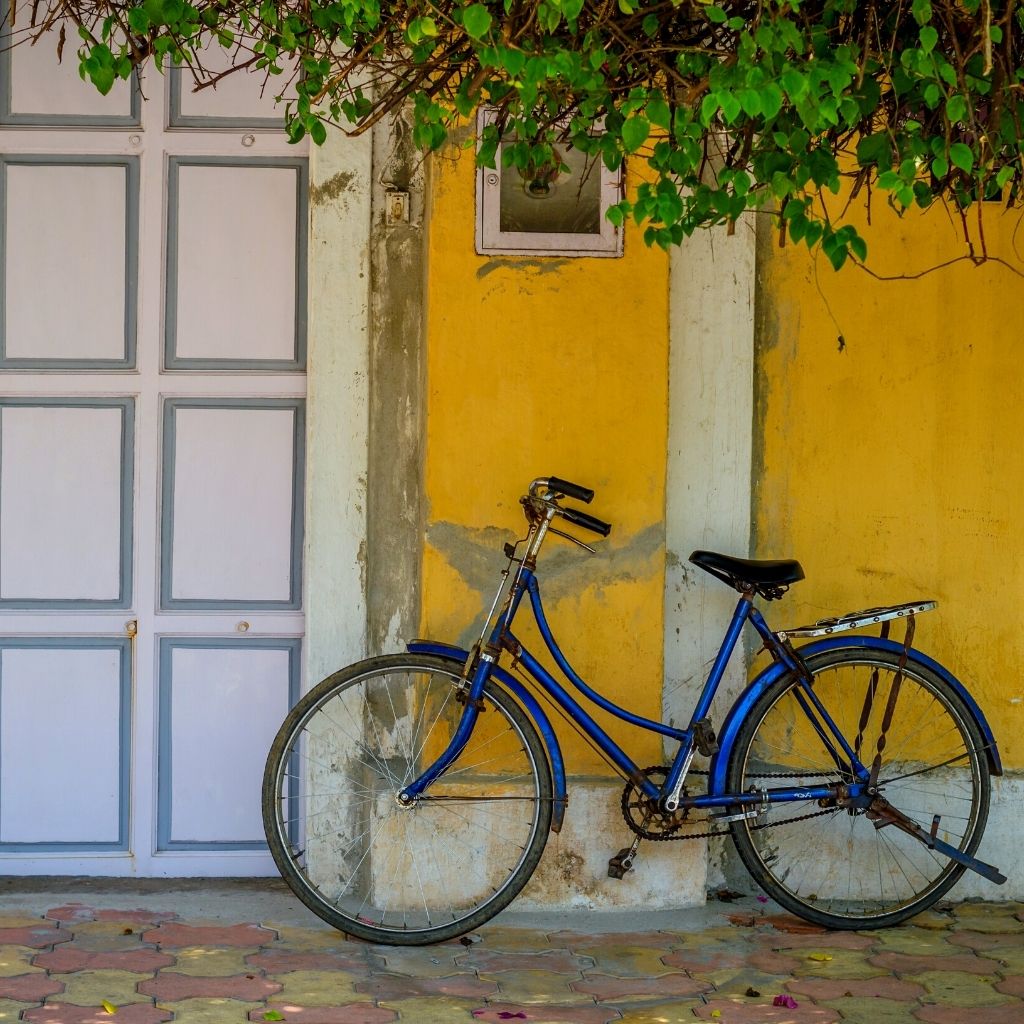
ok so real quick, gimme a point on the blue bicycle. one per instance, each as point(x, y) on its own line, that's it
point(408, 798)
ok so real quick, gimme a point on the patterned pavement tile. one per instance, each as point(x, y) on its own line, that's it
point(174, 935)
point(495, 936)
point(90, 988)
point(678, 1011)
point(208, 1011)
point(136, 1013)
point(70, 958)
point(212, 962)
point(75, 913)
point(29, 988)
point(433, 1009)
point(913, 941)
point(313, 939)
point(623, 990)
point(37, 936)
point(280, 961)
point(737, 983)
point(1011, 1013)
point(845, 963)
point(771, 962)
point(1007, 961)
point(536, 988)
point(733, 1012)
point(822, 989)
point(557, 961)
point(815, 941)
point(629, 961)
point(584, 940)
point(10, 1010)
point(903, 963)
point(107, 936)
point(952, 988)
point(318, 988)
point(422, 962)
point(168, 986)
point(20, 921)
point(983, 942)
point(16, 960)
point(715, 957)
point(554, 1014)
point(353, 1013)
point(936, 920)
point(1012, 986)
point(395, 986)
point(873, 1011)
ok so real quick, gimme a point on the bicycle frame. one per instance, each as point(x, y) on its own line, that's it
point(503, 639)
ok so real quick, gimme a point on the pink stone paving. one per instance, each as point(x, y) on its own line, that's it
point(68, 959)
point(177, 935)
point(1008, 1013)
point(704, 959)
point(905, 963)
point(607, 989)
point(66, 1013)
point(834, 940)
point(824, 989)
point(393, 986)
point(582, 940)
point(773, 963)
point(352, 1013)
point(29, 988)
point(77, 913)
point(1012, 987)
point(280, 962)
point(985, 940)
point(38, 937)
point(730, 1012)
point(169, 987)
point(558, 961)
point(570, 1014)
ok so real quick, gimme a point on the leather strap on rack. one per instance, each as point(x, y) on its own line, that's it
point(890, 707)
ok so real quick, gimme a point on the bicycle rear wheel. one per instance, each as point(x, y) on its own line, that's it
point(372, 867)
point(834, 867)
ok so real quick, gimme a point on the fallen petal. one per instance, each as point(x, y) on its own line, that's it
point(787, 1001)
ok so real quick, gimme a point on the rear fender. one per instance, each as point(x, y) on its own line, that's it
point(739, 710)
point(456, 654)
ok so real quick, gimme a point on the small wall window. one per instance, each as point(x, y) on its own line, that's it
point(549, 214)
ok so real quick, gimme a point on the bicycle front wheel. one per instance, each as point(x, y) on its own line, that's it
point(833, 866)
point(372, 867)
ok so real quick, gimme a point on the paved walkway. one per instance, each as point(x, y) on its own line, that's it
point(142, 953)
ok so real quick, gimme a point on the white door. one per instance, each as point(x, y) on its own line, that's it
point(153, 253)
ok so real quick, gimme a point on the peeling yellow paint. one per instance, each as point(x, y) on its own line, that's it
point(890, 463)
point(545, 366)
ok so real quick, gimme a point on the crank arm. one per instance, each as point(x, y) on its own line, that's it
point(882, 813)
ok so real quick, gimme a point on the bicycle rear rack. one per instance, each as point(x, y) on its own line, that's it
point(857, 620)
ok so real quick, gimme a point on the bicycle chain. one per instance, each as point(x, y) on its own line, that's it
point(669, 836)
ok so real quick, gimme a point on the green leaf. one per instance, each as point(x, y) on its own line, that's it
point(273, 1015)
point(962, 156)
point(956, 108)
point(922, 11)
point(318, 133)
point(929, 36)
point(635, 131)
point(717, 15)
point(771, 100)
point(476, 20)
point(138, 20)
point(658, 112)
point(940, 167)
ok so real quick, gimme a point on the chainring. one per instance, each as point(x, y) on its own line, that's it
point(642, 814)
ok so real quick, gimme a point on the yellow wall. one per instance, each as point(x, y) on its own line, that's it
point(892, 468)
point(541, 366)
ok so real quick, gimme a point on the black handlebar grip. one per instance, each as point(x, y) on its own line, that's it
point(588, 522)
point(571, 490)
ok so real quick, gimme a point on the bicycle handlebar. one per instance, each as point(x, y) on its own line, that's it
point(571, 490)
point(588, 522)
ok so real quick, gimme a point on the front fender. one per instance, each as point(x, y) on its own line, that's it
point(739, 710)
point(452, 653)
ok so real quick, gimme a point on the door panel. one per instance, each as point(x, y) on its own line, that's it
point(65, 503)
point(63, 744)
point(70, 227)
point(210, 776)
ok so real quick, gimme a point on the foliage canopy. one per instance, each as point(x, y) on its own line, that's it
point(735, 105)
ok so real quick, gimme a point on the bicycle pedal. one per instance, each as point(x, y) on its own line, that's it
point(704, 738)
point(621, 863)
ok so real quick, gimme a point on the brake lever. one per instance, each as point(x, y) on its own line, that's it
point(575, 540)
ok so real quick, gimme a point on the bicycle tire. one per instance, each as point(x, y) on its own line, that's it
point(837, 869)
point(371, 867)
